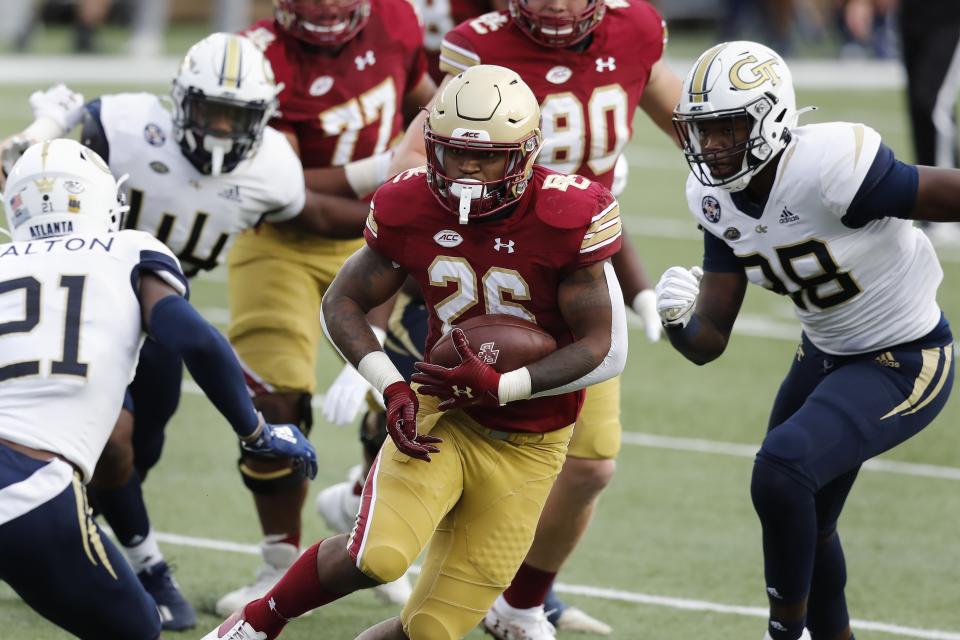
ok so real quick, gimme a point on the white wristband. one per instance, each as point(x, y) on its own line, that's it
point(377, 369)
point(367, 174)
point(514, 385)
point(43, 128)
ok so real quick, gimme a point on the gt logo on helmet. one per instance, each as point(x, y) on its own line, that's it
point(763, 72)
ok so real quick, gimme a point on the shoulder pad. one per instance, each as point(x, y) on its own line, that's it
point(569, 201)
point(402, 198)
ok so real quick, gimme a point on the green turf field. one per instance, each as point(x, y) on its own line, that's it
point(674, 552)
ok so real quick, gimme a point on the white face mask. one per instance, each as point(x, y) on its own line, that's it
point(467, 194)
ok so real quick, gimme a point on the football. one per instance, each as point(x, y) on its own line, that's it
point(503, 341)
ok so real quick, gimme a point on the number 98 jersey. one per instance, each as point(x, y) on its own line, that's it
point(70, 336)
point(857, 286)
point(587, 98)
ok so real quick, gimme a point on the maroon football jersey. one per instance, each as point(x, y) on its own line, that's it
point(439, 17)
point(346, 105)
point(587, 98)
point(508, 265)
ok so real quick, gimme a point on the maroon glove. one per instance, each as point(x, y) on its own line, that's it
point(401, 403)
point(472, 382)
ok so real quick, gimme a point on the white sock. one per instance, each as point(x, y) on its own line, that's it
point(144, 554)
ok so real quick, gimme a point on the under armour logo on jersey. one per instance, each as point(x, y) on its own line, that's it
point(610, 64)
point(466, 392)
point(487, 353)
point(508, 245)
point(366, 60)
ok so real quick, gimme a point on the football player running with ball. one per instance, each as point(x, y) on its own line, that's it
point(354, 72)
point(78, 299)
point(590, 64)
point(822, 213)
point(469, 475)
point(196, 178)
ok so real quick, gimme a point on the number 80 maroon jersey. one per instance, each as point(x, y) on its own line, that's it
point(512, 264)
point(588, 96)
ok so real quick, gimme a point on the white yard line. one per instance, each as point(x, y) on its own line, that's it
point(603, 593)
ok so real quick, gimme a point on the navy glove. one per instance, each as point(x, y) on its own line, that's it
point(283, 441)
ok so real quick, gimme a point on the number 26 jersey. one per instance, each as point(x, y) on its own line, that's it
point(512, 264)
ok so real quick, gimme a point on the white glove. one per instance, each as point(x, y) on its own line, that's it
point(346, 396)
point(60, 104)
point(677, 294)
point(645, 306)
point(11, 151)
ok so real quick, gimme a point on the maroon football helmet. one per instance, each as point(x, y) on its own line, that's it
point(322, 23)
point(557, 31)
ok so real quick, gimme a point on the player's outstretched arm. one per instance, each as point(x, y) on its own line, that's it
point(660, 98)
point(698, 310)
point(177, 326)
point(938, 195)
point(365, 281)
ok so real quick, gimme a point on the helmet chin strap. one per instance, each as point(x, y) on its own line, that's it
point(218, 148)
point(467, 194)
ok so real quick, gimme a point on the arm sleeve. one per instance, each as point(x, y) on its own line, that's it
point(888, 190)
point(164, 266)
point(718, 256)
point(616, 358)
point(456, 52)
point(92, 134)
point(176, 325)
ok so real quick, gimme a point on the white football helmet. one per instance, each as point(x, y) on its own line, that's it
point(489, 109)
point(58, 188)
point(730, 81)
point(223, 97)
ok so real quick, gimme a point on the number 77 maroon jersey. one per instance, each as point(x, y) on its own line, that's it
point(588, 94)
point(512, 263)
point(346, 104)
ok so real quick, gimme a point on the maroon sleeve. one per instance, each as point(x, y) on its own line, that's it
point(379, 236)
point(652, 35)
point(602, 237)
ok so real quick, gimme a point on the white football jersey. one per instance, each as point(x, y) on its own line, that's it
point(70, 336)
point(196, 215)
point(855, 290)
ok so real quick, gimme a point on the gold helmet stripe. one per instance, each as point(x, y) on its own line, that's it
point(232, 62)
point(698, 84)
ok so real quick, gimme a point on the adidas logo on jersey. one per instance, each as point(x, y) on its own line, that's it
point(787, 216)
point(886, 359)
point(231, 193)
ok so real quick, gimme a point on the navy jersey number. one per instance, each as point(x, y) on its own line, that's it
point(809, 293)
point(69, 363)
